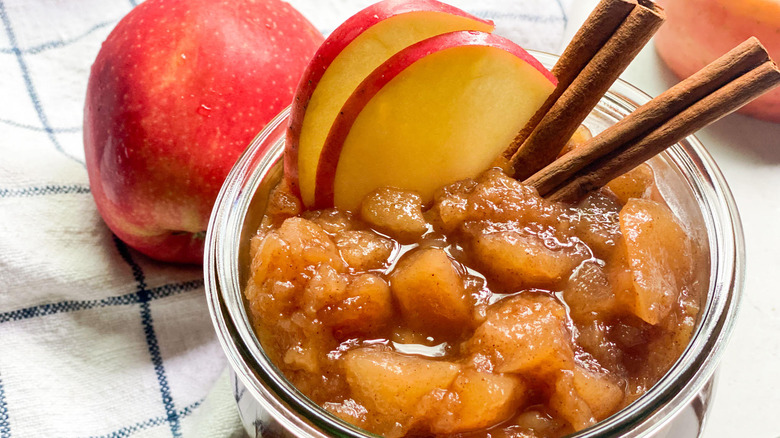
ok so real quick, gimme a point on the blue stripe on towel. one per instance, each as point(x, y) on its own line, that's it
point(159, 369)
point(144, 297)
point(152, 422)
point(120, 300)
point(34, 50)
point(29, 85)
point(5, 424)
point(44, 190)
point(137, 427)
point(563, 13)
point(71, 130)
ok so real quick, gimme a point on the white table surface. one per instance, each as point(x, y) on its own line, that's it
point(747, 397)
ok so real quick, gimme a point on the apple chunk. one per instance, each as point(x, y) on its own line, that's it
point(438, 111)
point(348, 55)
point(659, 255)
point(394, 384)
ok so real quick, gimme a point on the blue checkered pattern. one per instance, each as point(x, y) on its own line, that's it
point(66, 367)
point(96, 339)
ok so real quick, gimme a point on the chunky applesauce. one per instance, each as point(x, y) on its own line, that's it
point(488, 312)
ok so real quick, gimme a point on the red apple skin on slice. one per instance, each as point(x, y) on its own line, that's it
point(348, 55)
point(438, 111)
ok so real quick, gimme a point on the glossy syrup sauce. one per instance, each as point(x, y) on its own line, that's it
point(489, 312)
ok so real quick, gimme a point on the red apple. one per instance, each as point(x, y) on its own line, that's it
point(436, 112)
point(349, 54)
point(699, 31)
point(178, 90)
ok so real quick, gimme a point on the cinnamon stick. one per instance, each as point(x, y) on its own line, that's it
point(578, 99)
point(590, 37)
point(725, 69)
point(634, 150)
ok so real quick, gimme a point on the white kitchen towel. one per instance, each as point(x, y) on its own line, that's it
point(96, 339)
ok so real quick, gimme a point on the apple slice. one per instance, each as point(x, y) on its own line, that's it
point(347, 56)
point(438, 111)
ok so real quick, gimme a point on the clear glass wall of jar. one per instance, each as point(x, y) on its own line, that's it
point(676, 406)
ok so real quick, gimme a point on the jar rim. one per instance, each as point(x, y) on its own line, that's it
point(687, 376)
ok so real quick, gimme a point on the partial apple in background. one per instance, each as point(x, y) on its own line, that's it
point(349, 54)
point(436, 112)
point(697, 32)
point(176, 93)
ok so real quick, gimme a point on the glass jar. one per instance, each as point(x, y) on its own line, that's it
point(675, 406)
